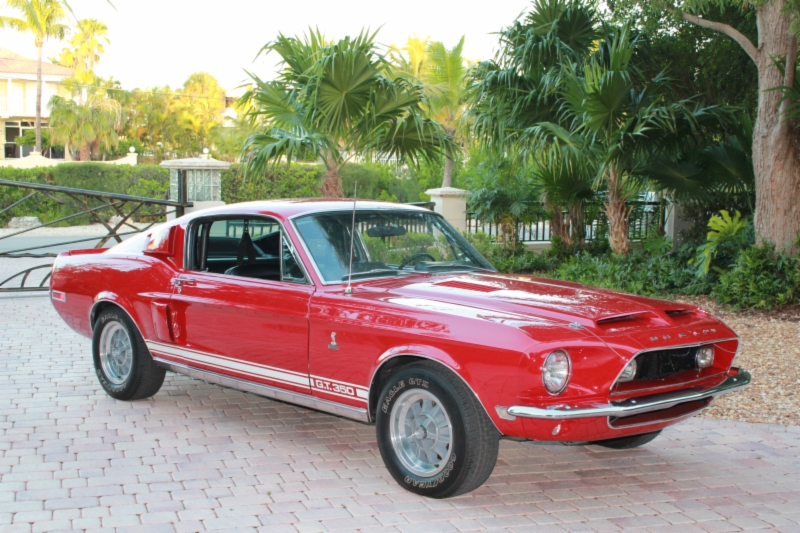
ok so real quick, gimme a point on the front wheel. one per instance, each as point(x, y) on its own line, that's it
point(434, 435)
point(122, 362)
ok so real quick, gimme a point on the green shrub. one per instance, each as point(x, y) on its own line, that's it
point(295, 181)
point(638, 273)
point(150, 181)
point(377, 181)
point(761, 278)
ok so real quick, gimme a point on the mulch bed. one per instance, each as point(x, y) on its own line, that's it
point(770, 350)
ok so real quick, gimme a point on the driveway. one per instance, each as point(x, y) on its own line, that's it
point(201, 457)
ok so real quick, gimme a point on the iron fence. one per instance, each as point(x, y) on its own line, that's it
point(645, 221)
point(79, 202)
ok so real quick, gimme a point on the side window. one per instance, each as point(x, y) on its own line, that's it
point(250, 248)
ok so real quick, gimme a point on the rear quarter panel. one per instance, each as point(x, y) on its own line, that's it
point(130, 280)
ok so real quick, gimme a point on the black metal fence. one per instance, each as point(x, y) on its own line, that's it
point(80, 202)
point(646, 218)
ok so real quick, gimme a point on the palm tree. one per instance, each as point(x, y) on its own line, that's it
point(202, 108)
point(565, 180)
point(442, 72)
point(559, 86)
point(85, 126)
point(88, 44)
point(43, 19)
point(336, 100)
point(618, 121)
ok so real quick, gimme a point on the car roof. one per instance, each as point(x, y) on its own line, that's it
point(293, 207)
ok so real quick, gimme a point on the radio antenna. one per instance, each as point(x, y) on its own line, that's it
point(349, 289)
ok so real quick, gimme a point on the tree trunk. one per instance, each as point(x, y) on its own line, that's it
point(776, 151)
point(447, 181)
point(85, 153)
point(39, 43)
point(559, 226)
point(776, 144)
point(577, 223)
point(332, 185)
point(618, 215)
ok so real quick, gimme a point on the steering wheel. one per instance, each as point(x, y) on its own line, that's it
point(415, 256)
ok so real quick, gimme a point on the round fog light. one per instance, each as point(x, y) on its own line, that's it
point(705, 356)
point(629, 372)
point(556, 371)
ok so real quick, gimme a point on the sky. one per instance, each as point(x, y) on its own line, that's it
point(161, 42)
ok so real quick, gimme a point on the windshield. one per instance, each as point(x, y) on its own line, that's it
point(386, 243)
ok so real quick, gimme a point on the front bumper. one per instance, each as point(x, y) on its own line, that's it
point(630, 406)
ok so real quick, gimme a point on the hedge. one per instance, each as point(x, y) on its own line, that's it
point(149, 181)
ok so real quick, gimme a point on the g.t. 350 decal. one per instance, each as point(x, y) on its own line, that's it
point(338, 388)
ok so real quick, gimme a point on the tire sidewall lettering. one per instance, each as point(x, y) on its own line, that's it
point(454, 470)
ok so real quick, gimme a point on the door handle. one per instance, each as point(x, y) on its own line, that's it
point(180, 282)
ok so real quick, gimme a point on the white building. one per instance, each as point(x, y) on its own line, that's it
point(18, 98)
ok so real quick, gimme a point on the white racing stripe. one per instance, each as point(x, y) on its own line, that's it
point(227, 363)
point(318, 383)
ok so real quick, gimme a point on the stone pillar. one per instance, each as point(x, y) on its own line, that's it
point(451, 203)
point(676, 223)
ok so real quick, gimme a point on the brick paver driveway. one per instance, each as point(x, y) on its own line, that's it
point(200, 457)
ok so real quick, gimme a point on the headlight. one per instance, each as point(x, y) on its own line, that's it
point(556, 372)
point(705, 356)
point(629, 372)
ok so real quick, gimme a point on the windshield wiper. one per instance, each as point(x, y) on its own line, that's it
point(375, 272)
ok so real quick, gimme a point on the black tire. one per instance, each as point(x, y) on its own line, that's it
point(626, 443)
point(144, 378)
point(473, 438)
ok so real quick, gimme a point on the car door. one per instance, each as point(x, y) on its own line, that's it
point(227, 321)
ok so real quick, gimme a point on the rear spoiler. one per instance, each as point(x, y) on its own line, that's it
point(87, 251)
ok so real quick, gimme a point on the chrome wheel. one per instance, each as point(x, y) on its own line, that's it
point(420, 432)
point(116, 352)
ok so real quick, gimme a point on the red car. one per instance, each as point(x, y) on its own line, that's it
point(420, 336)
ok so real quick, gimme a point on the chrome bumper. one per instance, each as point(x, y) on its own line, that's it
point(631, 406)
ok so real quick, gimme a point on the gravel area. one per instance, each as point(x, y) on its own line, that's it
point(770, 351)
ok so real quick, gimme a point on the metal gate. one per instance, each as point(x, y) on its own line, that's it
point(81, 202)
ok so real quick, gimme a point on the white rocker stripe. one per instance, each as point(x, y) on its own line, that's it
point(329, 386)
point(230, 364)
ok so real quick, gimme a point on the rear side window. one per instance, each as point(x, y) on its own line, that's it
point(251, 248)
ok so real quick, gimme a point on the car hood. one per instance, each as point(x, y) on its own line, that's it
point(604, 312)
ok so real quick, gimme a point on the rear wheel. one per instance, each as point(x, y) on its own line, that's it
point(625, 443)
point(122, 362)
point(433, 433)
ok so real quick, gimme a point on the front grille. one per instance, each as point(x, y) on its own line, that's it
point(660, 364)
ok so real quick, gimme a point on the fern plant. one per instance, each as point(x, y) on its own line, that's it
point(726, 231)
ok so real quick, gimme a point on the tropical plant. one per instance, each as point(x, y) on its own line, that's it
point(726, 231)
point(760, 278)
point(42, 18)
point(565, 180)
point(85, 126)
point(442, 72)
point(504, 196)
point(776, 140)
point(336, 100)
point(202, 102)
point(87, 45)
point(561, 84)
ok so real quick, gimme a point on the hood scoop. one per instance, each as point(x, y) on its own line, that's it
point(468, 286)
